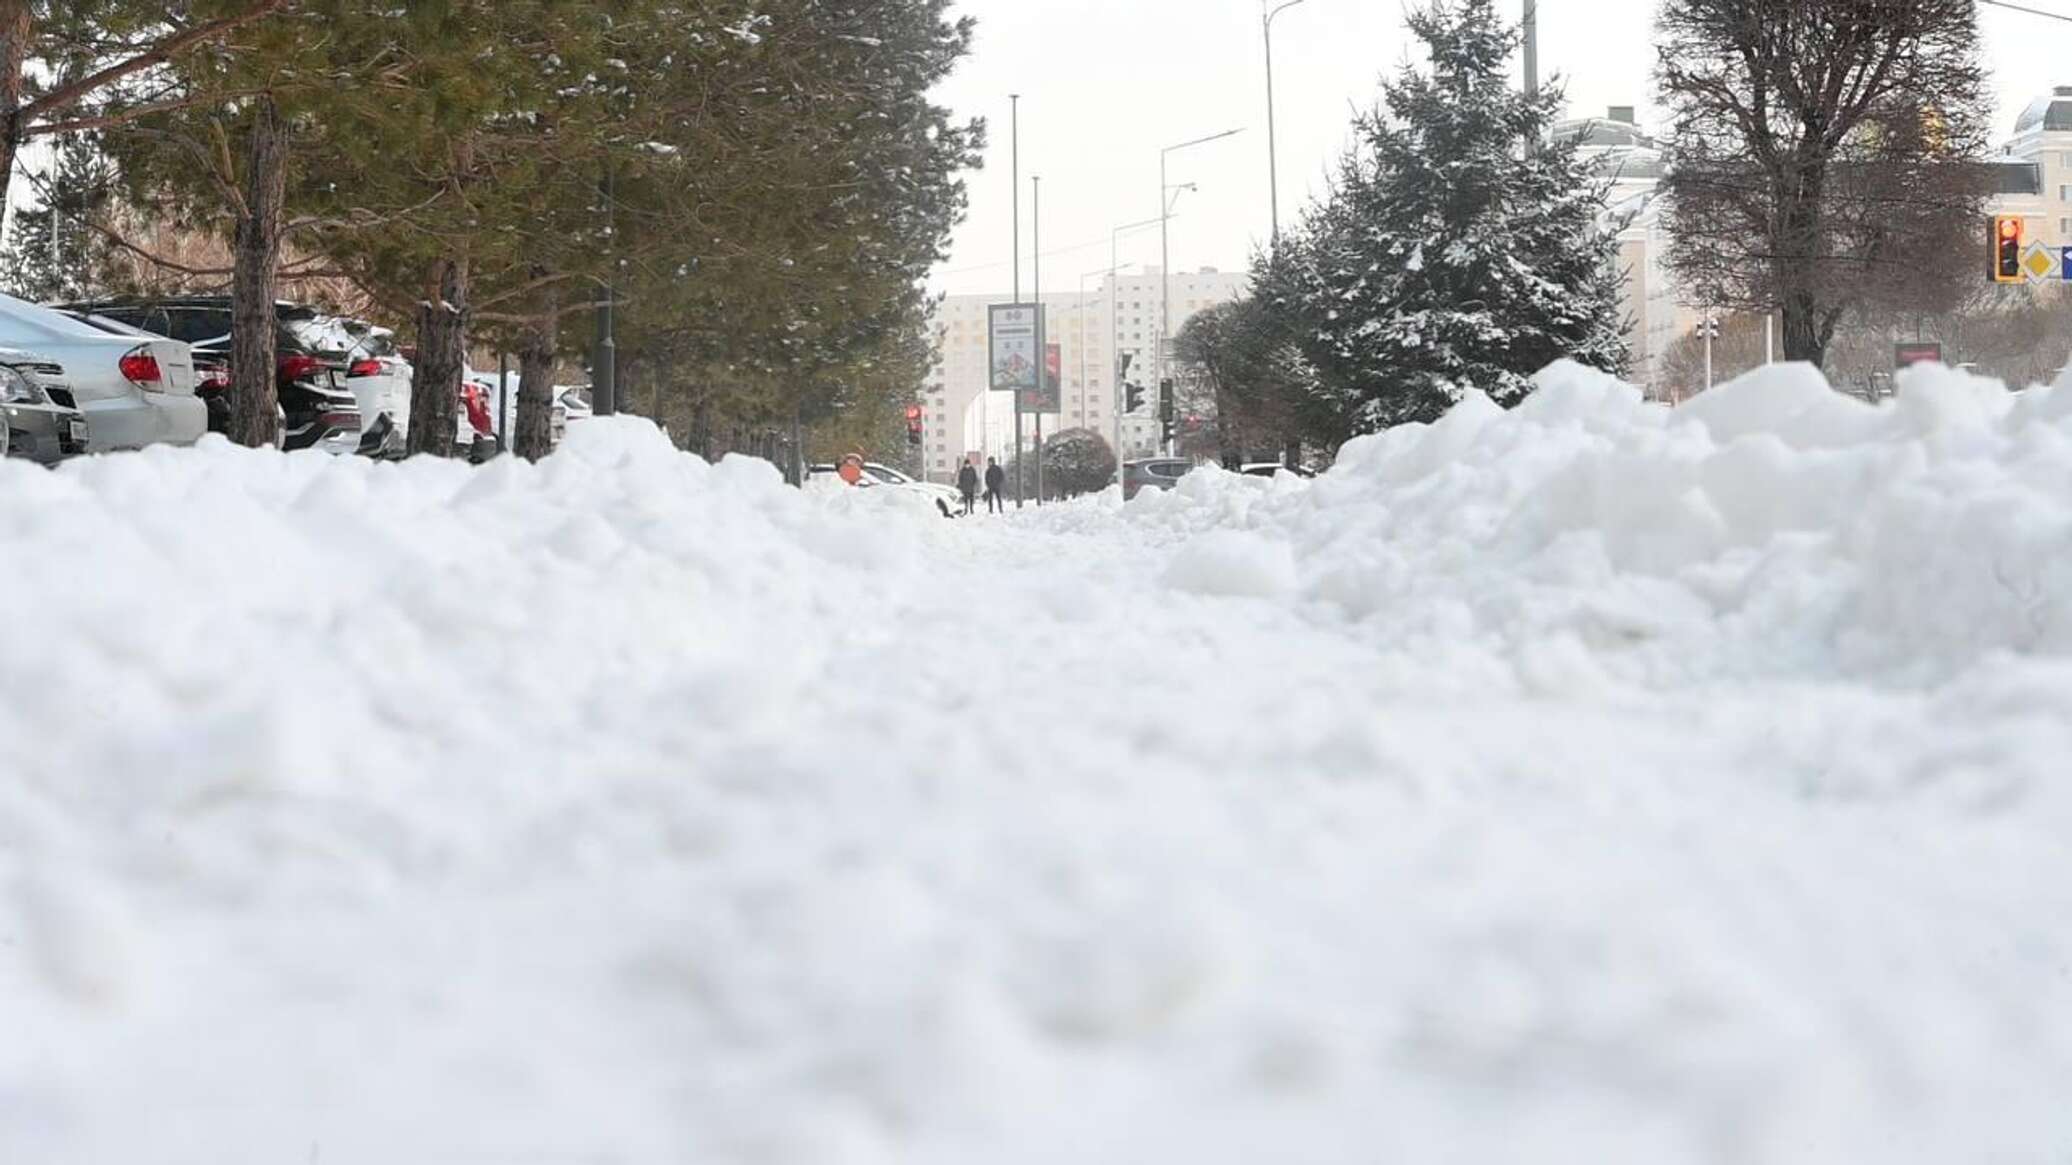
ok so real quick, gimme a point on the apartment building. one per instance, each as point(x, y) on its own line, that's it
point(1120, 315)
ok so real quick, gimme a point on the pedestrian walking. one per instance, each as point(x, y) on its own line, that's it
point(967, 484)
point(996, 486)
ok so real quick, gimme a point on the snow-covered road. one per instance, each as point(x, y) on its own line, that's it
point(1580, 784)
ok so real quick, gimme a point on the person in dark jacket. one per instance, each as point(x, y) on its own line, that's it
point(967, 484)
point(996, 485)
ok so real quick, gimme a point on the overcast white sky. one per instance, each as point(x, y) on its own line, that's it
point(1106, 83)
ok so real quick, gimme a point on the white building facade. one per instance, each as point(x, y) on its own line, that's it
point(962, 418)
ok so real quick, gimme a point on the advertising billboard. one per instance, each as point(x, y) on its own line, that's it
point(1012, 334)
point(1047, 399)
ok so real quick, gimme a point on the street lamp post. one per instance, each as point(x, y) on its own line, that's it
point(1115, 324)
point(1042, 343)
point(1273, 173)
point(1165, 260)
point(1015, 139)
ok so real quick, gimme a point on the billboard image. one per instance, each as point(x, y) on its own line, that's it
point(1047, 399)
point(1012, 332)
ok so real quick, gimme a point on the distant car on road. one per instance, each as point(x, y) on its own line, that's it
point(38, 420)
point(1152, 473)
point(134, 389)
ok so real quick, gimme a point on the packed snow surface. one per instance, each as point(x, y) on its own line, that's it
point(1591, 782)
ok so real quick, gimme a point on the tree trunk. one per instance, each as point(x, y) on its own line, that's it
point(16, 27)
point(256, 260)
point(442, 338)
point(1804, 337)
point(536, 351)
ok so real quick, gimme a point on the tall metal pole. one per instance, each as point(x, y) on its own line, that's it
point(1165, 290)
point(1015, 174)
point(1273, 169)
point(1532, 47)
point(1042, 331)
point(1121, 395)
point(503, 399)
point(1710, 329)
point(1165, 263)
point(604, 387)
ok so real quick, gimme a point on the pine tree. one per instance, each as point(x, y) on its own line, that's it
point(1449, 256)
point(51, 253)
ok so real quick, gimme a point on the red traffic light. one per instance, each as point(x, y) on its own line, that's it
point(913, 412)
point(2007, 248)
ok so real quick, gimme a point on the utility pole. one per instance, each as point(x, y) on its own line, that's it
point(1042, 331)
point(503, 399)
point(1532, 48)
point(1273, 170)
point(1014, 123)
point(1710, 328)
point(1165, 258)
point(604, 375)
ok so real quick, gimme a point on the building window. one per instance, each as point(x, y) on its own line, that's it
point(2065, 226)
point(2065, 194)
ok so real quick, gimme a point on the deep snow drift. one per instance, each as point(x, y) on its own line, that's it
point(1584, 783)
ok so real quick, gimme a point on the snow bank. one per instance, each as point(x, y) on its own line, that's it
point(1770, 528)
point(1584, 783)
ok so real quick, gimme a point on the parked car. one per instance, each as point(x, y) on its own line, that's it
point(375, 371)
point(309, 374)
point(1153, 473)
point(38, 419)
point(877, 474)
point(1271, 469)
point(474, 424)
point(890, 476)
point(134, 390)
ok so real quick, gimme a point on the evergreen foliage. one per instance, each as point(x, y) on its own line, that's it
point(1448, 256)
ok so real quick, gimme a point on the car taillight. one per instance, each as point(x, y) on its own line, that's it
point(364, 368)
point(213, 378)
point(300, 367)
point(348, 419)
point(140, 368)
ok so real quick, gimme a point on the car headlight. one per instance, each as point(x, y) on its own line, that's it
point(16, 389)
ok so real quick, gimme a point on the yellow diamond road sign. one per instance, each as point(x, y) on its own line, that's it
point(2038, 263)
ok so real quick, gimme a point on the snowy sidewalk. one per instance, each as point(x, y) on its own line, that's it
point(1573, 785)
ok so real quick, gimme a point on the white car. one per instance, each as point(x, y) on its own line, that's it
point(877, 474)
point(1270, 469)
point(375, 370)
point(134, 390)
point(891, 476)
point(570, 404)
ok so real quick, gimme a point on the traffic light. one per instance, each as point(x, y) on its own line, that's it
point(1167, 426)
point(1133, 398)
point(913, 424)
point(1166, 404)
point(2007, 248)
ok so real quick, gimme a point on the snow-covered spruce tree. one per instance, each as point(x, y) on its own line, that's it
point(51, 253)
point(1447, 256)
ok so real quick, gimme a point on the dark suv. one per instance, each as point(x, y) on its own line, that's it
point(1152, 472)
point(319, 410)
